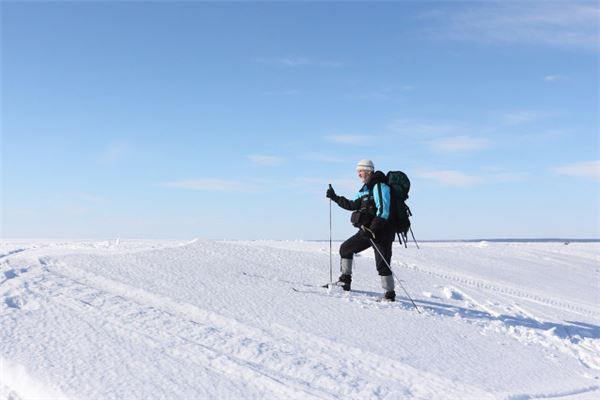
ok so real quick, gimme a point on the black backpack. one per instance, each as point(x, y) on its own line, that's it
point(399, 212)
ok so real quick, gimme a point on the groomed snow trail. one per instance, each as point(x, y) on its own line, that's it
point(160, 320)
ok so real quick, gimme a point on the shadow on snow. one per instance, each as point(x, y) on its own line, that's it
point(572, 330)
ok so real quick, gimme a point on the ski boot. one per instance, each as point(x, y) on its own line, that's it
point(389, 296)
point(387, 283)
point(344, 281)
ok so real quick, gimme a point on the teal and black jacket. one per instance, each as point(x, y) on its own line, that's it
point(371, 205)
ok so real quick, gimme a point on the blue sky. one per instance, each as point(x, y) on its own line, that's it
point(228, 120)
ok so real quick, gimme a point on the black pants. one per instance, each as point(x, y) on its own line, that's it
point(359, 242)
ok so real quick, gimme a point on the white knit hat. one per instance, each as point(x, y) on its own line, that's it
point(367, 165)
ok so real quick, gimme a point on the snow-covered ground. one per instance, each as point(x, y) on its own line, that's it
point(221, 320)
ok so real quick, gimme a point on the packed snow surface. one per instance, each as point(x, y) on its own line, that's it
point(248, 320)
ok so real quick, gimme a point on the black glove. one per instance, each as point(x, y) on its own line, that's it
point(331, 194)
point(367, 232)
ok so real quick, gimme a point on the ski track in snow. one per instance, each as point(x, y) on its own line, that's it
point(579, 340)
point(277, 362)
point(561, 304)
point(575, 339)
point(281, 362)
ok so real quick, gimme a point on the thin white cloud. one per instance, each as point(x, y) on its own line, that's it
point(524, 117)
point(568, 24)
point(584, 169)
point(554, 78)
point(77, 210)
point(451, 178)
point(539, 137)
point(418, 128)
point(294, 61)
point(89, 198)
point(266, 160)
point(114, 152)
point(440, 136)
point(351, 139)
point(456, 144)
point(321, 157)
point(342, 186)
point(502, 175)
point(212, 185)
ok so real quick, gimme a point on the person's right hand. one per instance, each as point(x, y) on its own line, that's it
point(331, 194)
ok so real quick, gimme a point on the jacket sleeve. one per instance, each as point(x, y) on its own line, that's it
point(346, 204)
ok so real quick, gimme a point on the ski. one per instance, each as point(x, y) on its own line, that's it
point(325, 286)
point(366, 298)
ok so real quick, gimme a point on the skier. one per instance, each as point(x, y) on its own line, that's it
point(371, 215)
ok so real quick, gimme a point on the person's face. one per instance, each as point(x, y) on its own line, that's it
point(363, 174)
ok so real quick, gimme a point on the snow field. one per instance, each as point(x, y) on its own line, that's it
point(157, 320)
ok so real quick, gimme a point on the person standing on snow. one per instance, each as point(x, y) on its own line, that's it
point(371, 215)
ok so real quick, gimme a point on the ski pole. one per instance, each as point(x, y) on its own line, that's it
point(390, 267)
point(330, 260)
point(413, 235)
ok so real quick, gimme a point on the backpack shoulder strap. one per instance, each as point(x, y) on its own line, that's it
point(380, 198)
